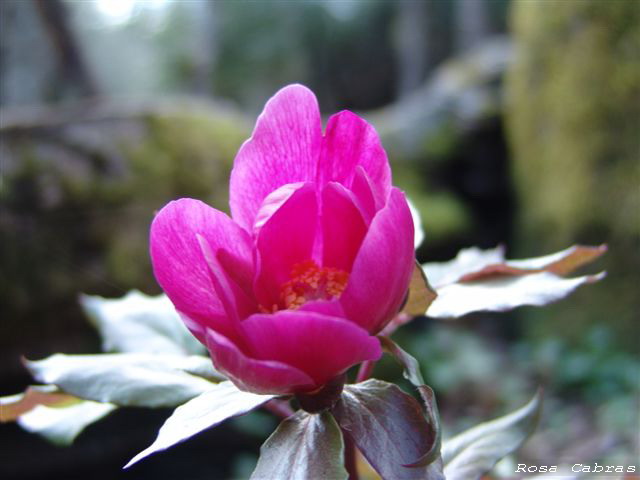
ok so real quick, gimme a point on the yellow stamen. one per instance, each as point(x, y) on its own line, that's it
point(311, 282)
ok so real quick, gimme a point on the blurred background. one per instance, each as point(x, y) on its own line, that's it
point(506, 122)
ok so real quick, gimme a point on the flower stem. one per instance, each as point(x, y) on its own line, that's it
point(366, 368)
point(279, 408)
point(350, 458)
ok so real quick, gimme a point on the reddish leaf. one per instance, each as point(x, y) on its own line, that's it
point(11, 408)
point(482, 280)
point(389, 427)
point(495, 270)
point(304, 446)
point(411, 371)
point(561, 263)
point(411, 368)
point(473, 264)
point(576, 257)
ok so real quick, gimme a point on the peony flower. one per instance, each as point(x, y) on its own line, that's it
point(316, 258)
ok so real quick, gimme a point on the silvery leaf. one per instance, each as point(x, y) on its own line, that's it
point(472, 453)
point(62, 424)
point(140, 323)
point(126, 379)
point(218, 403)
point(304, 446)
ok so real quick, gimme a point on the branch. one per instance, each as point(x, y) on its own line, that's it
point(71, 61)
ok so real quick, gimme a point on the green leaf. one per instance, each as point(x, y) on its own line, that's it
point(140, 323)
point(220, 402)
point(474, 452)
point(126, 379)
point(389, 428)
point(61, 424)
point(304, 446)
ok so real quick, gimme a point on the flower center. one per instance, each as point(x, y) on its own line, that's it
point(310, 282)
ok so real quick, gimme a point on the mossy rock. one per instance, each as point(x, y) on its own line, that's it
point(80, 188)
point(574, 118)
point(430, 122)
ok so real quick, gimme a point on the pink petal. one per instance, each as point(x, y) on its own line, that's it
point(237, 303)
point(382, 270)
point(363, 195)
point(343, 227)
point(178, 262)
point(351, 142)
point(253, 375)
point(333, 308)
point(319, 345)
point(238, 271)
point(283, 148)
point(273, 202)
point(285, 240)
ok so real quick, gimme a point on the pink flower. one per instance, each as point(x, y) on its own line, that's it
point(315, 259)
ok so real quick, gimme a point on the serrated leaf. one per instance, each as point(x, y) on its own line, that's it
point(304, 446)
point(220, 402)
point(504, 293)
point(472, 453)
point(389, 428)
point(126, 379)
point(62, 424)
point(140, 323)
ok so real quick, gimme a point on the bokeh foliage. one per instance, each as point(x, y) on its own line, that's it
point(573, 118)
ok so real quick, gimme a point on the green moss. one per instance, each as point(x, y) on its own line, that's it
point(77, 203)
point(181, 155)
point(574, 117)
point(187, 154)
